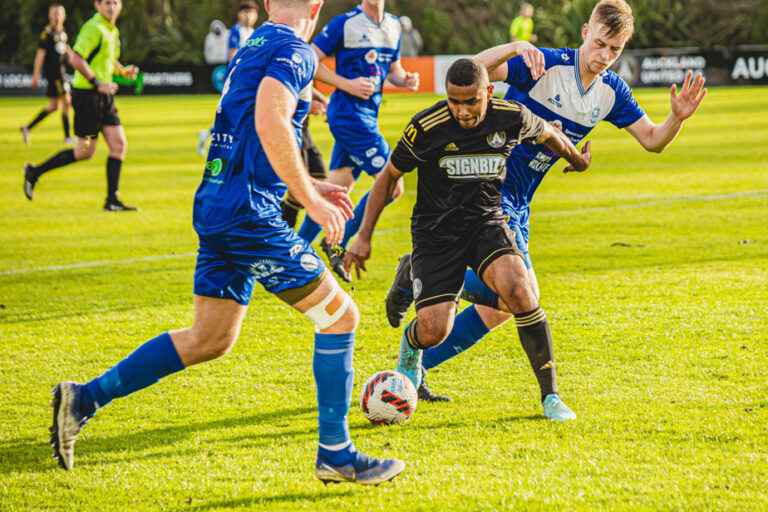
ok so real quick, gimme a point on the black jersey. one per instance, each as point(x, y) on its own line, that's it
point(461, 170)
point(55, 46)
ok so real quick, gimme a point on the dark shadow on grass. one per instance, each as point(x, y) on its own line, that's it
point(266, 500)
point(23, 455)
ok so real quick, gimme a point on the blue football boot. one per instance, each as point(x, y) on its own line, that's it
point(69, 400)
point(409, 361)
point(556, 410)
point(362, 470)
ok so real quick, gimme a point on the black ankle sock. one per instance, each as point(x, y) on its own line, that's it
point(60, 159)
point(40, 116)
point(536, 339)
point(65, 125)
point(113, 177)
point(410, 335)
point(290, 211)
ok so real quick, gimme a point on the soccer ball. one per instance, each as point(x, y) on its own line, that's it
point(388, 397)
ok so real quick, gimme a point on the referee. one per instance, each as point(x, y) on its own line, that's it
point(95, 59)
point(49, 61)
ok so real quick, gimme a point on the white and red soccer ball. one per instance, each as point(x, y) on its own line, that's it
point(388, 397)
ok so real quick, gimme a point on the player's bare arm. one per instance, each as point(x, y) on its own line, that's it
point(400, 77)
point(275, 105)
point(494, 58)
point(129, 72)
point(382, 189)
point(558, 142)
point(655, 137)
point(81, 65)
point(38, 66)
point(361, 87)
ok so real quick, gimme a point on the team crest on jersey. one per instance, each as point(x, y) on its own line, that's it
point(371, 56)
point(595, 115)
point(497, 139)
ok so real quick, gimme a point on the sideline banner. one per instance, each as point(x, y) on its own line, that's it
point(660, 67)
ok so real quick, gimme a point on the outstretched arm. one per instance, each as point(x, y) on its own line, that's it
point(381, 191)
point(655, 137)
point(494, 59)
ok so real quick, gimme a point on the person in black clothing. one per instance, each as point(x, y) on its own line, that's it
point(313, 159)
point(460, 147)
point(49, 60)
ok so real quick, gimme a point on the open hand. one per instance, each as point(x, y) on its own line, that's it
point(357, 254)
point(685, 103)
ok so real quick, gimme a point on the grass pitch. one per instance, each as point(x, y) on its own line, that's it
point(653, 271)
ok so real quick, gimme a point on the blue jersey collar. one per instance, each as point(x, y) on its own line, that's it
point(576, 70)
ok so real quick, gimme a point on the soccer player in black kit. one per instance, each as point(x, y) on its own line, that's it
point(49, 60)
point(460, 147)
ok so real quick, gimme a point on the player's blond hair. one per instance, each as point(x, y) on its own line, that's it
point(616, 15)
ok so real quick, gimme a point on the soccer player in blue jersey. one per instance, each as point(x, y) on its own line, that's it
point(574, 90)
point(254, 157)
point(366, 44)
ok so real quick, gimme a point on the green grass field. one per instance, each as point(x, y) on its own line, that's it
point(653, 271)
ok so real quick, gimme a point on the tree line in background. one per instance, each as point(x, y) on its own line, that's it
point(172, 31)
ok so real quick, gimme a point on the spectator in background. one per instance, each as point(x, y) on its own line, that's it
point(216, 43)
point(49, 61)
point(411, 42)
point(521, 28)
point(247, 16)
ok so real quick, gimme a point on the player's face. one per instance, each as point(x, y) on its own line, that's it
point(376, 4)
point(599, 50)
point(248, 17)
point(469, 104)
point(110, 9)
point(56, 16)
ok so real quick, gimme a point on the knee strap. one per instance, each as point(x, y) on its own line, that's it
point(319, 313)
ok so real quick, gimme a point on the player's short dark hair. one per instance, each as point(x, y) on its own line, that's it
point(247, 6)
point(616, 15)
point(465, 72)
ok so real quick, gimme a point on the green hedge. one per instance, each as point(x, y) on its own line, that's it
point(172, 31)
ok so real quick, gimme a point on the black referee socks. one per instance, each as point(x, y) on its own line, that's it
point(114, 165)
point(536, 339)
point(60, 159)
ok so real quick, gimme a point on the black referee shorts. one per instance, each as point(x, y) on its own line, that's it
point(93, 110)
point(57, 87)
point(438, 269)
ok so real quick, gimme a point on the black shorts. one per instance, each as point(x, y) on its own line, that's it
point(57, 87)
point(93, 111)
point(438, 271)
point(313, 159)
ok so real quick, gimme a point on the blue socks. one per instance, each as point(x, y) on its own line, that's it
point(309, 229)
point(353, 224)
point(476, 292)
point(148, 364)
point(468, 329)
point(332, 366)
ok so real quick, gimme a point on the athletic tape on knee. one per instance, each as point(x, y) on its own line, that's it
point(319, 314)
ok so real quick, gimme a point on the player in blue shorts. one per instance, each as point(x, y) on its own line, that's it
point(574, 90)
point(254, 157)
point(366, 44)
